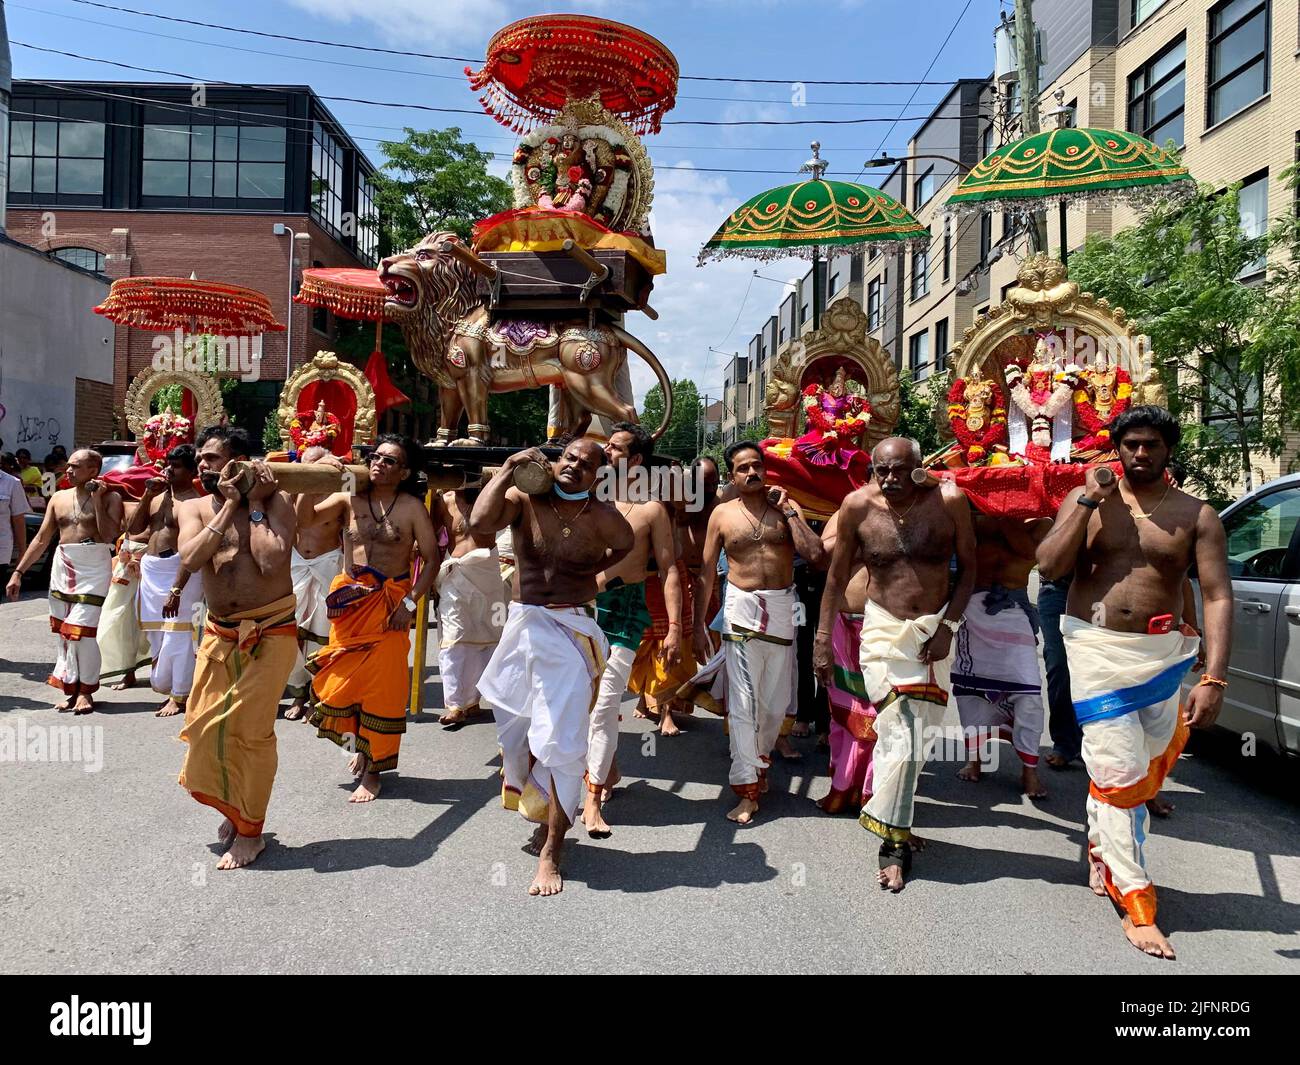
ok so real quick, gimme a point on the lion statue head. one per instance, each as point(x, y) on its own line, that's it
point(428, 291)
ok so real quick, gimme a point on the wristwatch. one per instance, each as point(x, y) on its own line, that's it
point(256, 515)
point(409, 603)
point(791, 513)
point(953, 626)
point(1091, 504)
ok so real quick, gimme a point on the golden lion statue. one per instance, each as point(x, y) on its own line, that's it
point(433, 297)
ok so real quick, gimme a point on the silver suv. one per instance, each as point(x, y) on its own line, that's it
point(1263, 695)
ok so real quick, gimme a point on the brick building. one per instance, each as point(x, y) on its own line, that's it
point(139, 179)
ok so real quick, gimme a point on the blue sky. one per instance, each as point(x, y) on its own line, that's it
point(830, 39)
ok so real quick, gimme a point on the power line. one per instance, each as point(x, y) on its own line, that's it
point(466, 59)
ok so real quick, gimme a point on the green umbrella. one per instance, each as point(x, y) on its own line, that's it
point(800, 219)
point(1068, 166)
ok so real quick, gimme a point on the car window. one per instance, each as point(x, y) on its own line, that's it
point(1259, 535)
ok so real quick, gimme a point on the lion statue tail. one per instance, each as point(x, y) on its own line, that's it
point(633, 344)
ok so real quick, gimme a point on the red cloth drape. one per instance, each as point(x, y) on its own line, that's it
point(387, 394)
point(340, 401)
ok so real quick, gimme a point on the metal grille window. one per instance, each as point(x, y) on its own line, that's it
point(1157, 95)
point(326, 179)
point(1238, 67)
point(56, 151)
point(182, 161)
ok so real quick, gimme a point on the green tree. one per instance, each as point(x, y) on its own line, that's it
point(681, 438)
point(917, 409)
point(1223, 331)
point(716, 449)
point(431, 181)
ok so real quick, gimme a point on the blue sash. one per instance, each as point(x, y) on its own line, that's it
point(1139, 697)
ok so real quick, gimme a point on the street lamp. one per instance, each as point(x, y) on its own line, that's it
point(890, 160)
point(280, 229)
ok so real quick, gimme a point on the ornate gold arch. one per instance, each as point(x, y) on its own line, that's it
point(146, 384)
point(327, 366)
point(1045, 299)
point(843, 334)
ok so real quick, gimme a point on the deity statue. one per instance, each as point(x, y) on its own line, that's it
point(163, 432)
point(837, 415)
point(318, 429)
point(978, 416)
point(1105, 392)
point(1040, 396)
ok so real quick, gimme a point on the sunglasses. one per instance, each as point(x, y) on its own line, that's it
point(387, 460)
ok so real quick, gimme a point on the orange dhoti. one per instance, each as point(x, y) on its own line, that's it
point(650, 676)
point(360, 679)
point(243, 662)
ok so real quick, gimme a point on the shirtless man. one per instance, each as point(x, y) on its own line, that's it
point(471, 606)
point(316, 560)
point(88, 519)
point(995, 674)
point(907, 536)
point(239, 542)
point(361, 677)
point(167, 594)
point(621, 611)
point(852, 728)
point(1130, 544)
point(543, 677)
point(761, 528)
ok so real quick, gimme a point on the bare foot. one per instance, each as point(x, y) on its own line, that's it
point(169, 709)
point(970, 771)
point(1057, 760)
point(536, 842)
point(64, 706)
point(597, 827)
point(916, 843)
point(357, 763)
point(1157, 807)
point(786, 749)
point(296, 709)
point(1148, 939)
point(890, 878)
point(458, 716)
point(744, 812)
point(84, 705)
point(367, 789)
point(126, 682)
point(642, 710)
point(226, 833)
point(1096, 878)
point(667, 726)
point(242, 852)
point(548, 880)
point(801, 729)
point(1030, 784)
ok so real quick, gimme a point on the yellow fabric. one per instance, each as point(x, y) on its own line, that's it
point(540, 231)
point(243, 663)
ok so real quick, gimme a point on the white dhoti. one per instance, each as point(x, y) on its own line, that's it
point(1125, 689)
point(909, 696)
point(123, 646)
point(471, 614)
point(541, 683)
point(171, 640)
point(602, 735)
point(79, 583)
point(758, 647)
point(995, 674)
point(311, 583)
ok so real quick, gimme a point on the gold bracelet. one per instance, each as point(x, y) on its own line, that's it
point(1218, 682)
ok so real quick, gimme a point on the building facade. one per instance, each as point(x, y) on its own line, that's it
point(138, 179)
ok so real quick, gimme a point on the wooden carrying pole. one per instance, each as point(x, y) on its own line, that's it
point(311, 477)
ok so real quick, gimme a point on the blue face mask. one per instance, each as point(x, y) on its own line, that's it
point(570, 495)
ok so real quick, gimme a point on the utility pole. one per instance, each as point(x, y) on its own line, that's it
point(1027, 61)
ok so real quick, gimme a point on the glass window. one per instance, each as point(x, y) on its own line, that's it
point(947, 247)
point(1157, 95)
point(918, 355)
point(1252, 210)
point(200, 161)
point(86, 258)
point(873, 304)
point(986, 237)
point(1259, 535)
point(56, 149)
point(367, 230)
point(920, 271)
point(940, 339)
point(1238, 68)
point(327, 180)
point(923, 188)
point(1141, 10)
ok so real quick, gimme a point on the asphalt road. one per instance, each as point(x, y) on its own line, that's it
point(114, 870)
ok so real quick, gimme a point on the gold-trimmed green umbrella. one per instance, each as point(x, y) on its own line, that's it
point(1070, 165)
point(800, 220)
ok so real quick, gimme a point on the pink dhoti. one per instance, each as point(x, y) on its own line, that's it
point(853, 734)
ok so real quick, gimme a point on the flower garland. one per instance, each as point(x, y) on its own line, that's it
point(977, 444)
point(1085, 412)
point(1039, 404)
point(828, 426)
point(162, 432)
point(304, 437)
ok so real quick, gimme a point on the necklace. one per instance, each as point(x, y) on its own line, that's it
point(382, 517)
point(567, 527)
point(759, 525)
point(80, 515)
point(902, 518)
point(1137, 514)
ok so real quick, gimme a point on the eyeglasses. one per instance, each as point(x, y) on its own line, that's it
point(387, 460)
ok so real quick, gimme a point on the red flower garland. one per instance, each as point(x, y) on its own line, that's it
point(824, 423)
point(977, 445)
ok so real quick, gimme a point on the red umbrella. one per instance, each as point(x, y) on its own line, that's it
point(163, 304)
